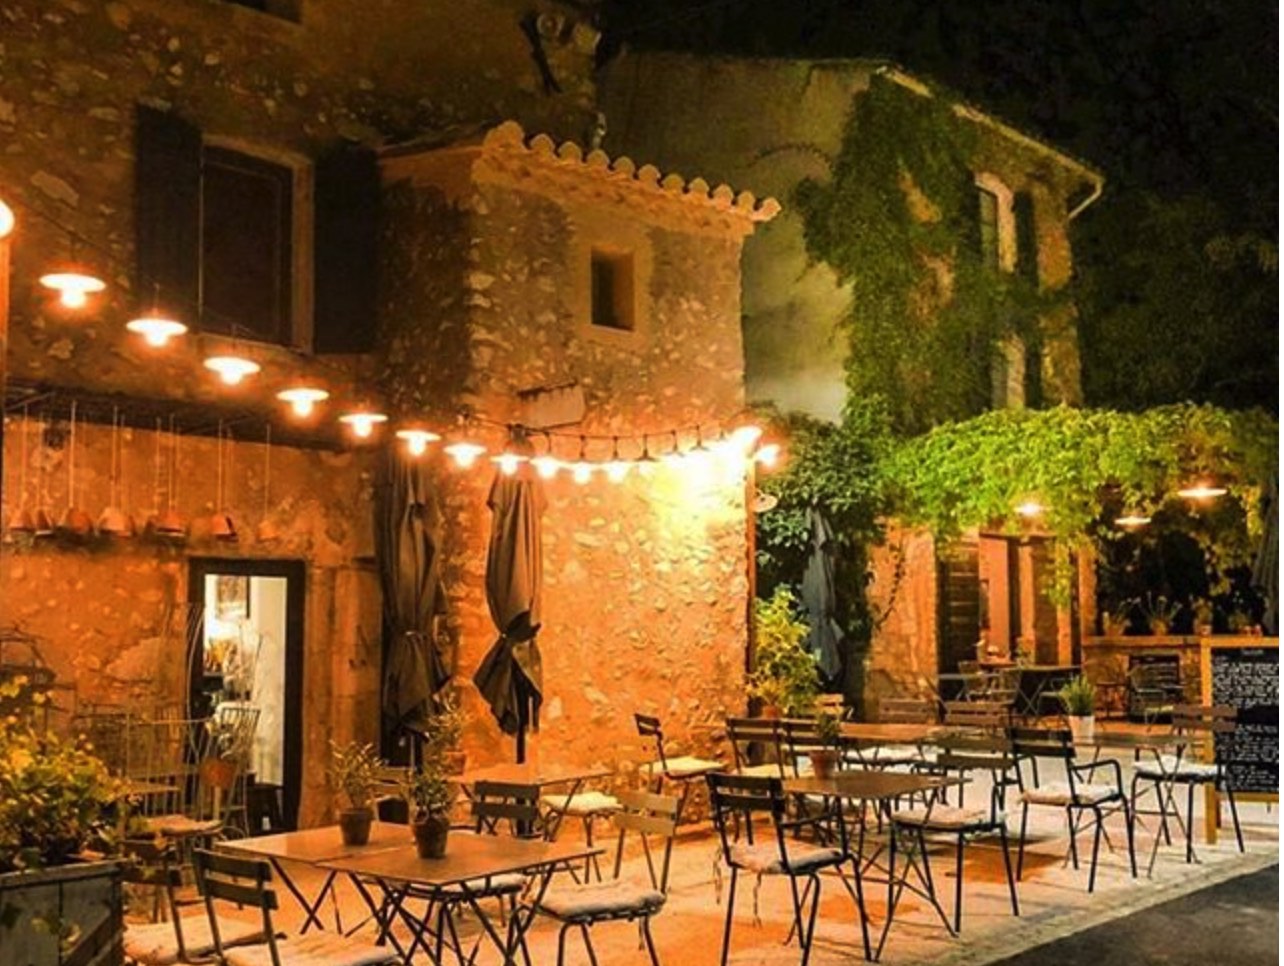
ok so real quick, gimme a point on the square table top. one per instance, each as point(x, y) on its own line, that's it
point(531, 773)
point(468, 856)
point(866, 785)
point(908, 733)
point(316, 845)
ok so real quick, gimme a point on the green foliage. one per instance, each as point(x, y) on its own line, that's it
point(784, 673)
point(444, 728)
point(828, 727)
point(354, 769)
point(1078, 696)
point(898, 221)
point(56, 797)
point(428, 790)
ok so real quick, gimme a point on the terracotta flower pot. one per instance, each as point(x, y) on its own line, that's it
point(431, 833)
point(771, 712)
point(354, 825)
point(454, 762)
point(823, 763)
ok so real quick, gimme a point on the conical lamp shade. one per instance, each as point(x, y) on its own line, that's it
point(76, 522)
point(223, 528)
point(170, 524)
point(114, 523)
point(22, 521)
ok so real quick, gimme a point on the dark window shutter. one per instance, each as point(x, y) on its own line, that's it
point(1027, 238)
point(345, 256)
point(958, 602)
point(167, 199)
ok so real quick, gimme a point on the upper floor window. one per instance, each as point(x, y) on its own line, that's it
point(996, 229)
point(611, 282)
point(988, 214)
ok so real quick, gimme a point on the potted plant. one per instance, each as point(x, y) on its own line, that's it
point(59, 819)
point(354, 769)
point(1079, 698)
point(1202, 608)
point(1114, 620)
point(785, 676)
point(430, 795)
point(1159, 613)
point(828, 730)
point(443, 733)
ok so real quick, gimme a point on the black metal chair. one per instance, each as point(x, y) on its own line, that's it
point(763, 736)
point(736, 797)
point(1077, 794)
point(682, 771)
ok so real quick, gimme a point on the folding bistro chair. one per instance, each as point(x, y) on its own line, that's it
point(683, 771)
point(732, 797)
point(1204, 722)
point(901, 711)
point(582, 906)
point(977, 740)
point(1075, 795)
point(747, 735)
point(226, 878)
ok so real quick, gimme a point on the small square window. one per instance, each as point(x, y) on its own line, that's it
point(612, 284)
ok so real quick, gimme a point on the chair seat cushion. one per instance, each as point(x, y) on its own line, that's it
point(685, 767)
point(616, 898)
point(1058, 793)
point(582, 804)
point(315, 949)
point(181, 826)
point(1177, 769)
point(769, 769)
point(764, 857)
point(155, 944)
point(945, 817)
point(892, 754)
point(495, 885)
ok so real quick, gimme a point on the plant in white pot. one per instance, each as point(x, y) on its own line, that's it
point(354, 770)
point(1079, 698)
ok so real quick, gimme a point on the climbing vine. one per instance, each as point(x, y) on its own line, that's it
point(898, 221)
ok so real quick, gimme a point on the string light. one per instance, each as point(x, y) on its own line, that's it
point(646, 462)
point(582, 469)
point(546, 464)
point(768, 455)
point(465, 453)
point(1203, 490)
point(303, 399)
point(362, 422)
point(1029, 509)
point(417, 440)
point(616, 470)
point(7, 221)
point(232, 369)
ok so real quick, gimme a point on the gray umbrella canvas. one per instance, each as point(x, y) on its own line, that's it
point(510, 677)
point(408, 534)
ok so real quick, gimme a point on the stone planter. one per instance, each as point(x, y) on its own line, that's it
point(354, 825)
point(81, 901)
point(431, 835)
point(1082, 726)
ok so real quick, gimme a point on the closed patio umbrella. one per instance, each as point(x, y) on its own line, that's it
point(825, 637)
point(1266, 568)
point(408, 546)
point(510, 677)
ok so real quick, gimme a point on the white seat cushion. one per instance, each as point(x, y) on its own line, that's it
point(601, 899)
point(764, 857)
point(769, 769)
point(944, 817)
point(495, 885)
point(315, 949)
point(1058, 793)
point(685, 767)
point(892, 755)
point(181, 826)
point(582, 804)
point(155, 944)
point(1172, 767)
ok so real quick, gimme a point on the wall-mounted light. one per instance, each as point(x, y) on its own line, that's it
point(232, 369)
point(417, 440)
point(362, 422)
point(1029, 509)
point(509, 460)
point(74, 284)
point(156, 330)
point(582, 469)
point(1132, 521)
point(617, 469)
point(7, 220)
point(546, 465)
point(303, 399)
point(767, 455)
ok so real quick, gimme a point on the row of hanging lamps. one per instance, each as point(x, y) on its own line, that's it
point(232, 369)
point(303, 399)
point(417, 440)
point(546, 464)
point(617, 469)
point(513, 455)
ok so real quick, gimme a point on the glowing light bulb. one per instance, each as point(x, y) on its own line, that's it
point(617, 470)
point(508, 462)
point(768, 455)
point(464, 453)
point(1029, 509)
point(232, 369)
point(6, 219)
point(1203, 490)
point(417, 440)
point(73, 286)
point(363, 423)
point(744, 437)
point(156, 330)
point(546, 466)
point(582, 472)
point(303, 399)
point(1131, 521)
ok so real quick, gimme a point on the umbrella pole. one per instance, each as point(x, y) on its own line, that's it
point(521, 746)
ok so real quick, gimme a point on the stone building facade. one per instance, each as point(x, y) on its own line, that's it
point(477, 292)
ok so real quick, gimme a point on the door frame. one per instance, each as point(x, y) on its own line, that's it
point(295, 574)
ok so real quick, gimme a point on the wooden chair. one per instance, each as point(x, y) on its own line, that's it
point(1075, 795)
point(901, 711)
point(582, 906)
point(732, 797)
point(746, 735)
point(174, 938)
point(683, 771)
point(974, 727)
point(1204, 722)
point(226, 878)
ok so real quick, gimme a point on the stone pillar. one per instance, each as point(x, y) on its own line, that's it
point(6, 242)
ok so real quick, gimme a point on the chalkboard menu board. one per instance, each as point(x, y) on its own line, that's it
point(1248, 679)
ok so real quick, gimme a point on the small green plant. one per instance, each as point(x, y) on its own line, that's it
point(428, 790)
point(1159, 612)
point(828, 728)
point(1203, 610)
point(785, 673)
point(1078, 697)
point(354, 769)
point(444, 728)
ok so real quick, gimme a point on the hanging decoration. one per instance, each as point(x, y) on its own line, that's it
point(267, 530)
point(154, 325)
point(75, 522)
point(73, 282)
point(232, 369)
point(113, 522)
point(417, 440)
point(222, 527)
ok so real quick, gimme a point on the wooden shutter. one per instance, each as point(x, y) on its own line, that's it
point(167, 207)
point(958, 601)
point(1027, 238)
point(345, 255)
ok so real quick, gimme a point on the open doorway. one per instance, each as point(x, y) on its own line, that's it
point(250, 651)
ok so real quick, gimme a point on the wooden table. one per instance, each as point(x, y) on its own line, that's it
point(464, 874)
point(314, 847)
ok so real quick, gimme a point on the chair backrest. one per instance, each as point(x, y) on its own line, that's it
point(978, 715)
point(1209, 721)
point(800, 738)
point(969, 667)
point(242, 881)
point(516, 804)
point(155, 863)
point(744, 732)
point(835, 704)
point(1042, 743)
point(906, 710)
point(732, 797)
point(649, 727)
point(975, 752)
point(648, 815)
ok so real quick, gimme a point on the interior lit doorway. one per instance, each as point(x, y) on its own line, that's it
point(250, 650)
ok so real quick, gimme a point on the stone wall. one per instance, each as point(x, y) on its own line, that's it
point(110, 613)
point(903, 660)
point(646, 588)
